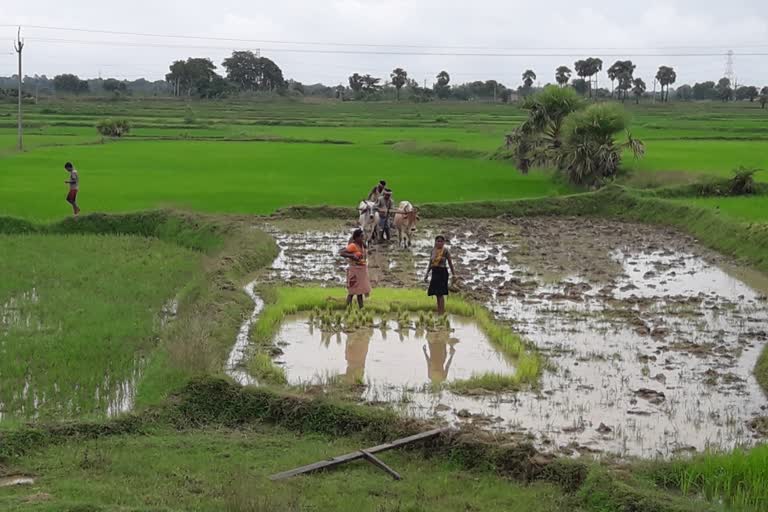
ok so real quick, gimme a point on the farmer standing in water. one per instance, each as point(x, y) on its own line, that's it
point(74, 186)
point(439, 262)
point(358, 283)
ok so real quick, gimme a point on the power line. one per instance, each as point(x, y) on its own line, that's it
point(133, 44)
point(372, 45)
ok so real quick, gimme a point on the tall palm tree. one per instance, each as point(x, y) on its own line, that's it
point(638, 88)
point(666, 76)
point(399, 77)
point(528, 78)
point(582, 69)
point(562, 75)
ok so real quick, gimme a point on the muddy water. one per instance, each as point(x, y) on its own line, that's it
point(391, 362)
point(652, 338)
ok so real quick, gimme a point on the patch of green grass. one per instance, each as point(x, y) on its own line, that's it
point(739, 479)
point(711, 157)
point(488, 381)
point(226, 470)
point(81, 314)
point(742, 208)
point(265, 370)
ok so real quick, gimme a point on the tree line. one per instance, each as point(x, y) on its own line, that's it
point(246, 72)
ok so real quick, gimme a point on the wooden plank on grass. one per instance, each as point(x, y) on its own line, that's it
point(343, 459)
point(381, 464)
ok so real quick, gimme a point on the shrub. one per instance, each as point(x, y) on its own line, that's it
point(743, 181)
point(590, 155)
point(113, 127)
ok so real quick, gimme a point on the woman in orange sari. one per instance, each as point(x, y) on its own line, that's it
point(358, 283)
point(439, 262)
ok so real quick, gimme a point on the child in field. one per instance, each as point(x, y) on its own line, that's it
point(74, 186)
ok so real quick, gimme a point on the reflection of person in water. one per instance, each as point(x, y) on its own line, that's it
point(437, 367)
point(355, 353)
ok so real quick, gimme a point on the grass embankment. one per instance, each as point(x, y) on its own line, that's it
point(212, 446)
point(80, 314)
point(388, 302)
point(210, 302)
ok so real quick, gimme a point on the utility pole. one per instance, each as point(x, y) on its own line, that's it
point(18, 45)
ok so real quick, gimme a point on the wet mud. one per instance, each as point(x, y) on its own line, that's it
point(650, 339)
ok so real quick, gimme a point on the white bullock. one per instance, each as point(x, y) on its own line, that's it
point(405, 222)
point(369, 219)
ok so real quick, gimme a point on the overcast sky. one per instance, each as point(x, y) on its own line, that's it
point(605, 28)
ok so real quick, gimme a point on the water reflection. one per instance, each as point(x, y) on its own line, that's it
point(355, 352)
point(385, 362)
point(440, 344)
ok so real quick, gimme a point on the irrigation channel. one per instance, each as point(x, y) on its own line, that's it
point(650, 340)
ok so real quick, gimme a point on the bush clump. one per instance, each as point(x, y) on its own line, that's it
point(113, 127)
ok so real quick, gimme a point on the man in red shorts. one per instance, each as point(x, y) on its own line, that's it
point(74, 186)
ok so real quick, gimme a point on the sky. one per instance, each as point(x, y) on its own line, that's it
point(327, 40)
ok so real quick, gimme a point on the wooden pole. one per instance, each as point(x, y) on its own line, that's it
point(361, 454)
point(18, 45)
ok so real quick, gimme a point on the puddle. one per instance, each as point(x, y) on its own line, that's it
point(10, 481)
point(237, 356)
point(652, 338)
point(391, 363)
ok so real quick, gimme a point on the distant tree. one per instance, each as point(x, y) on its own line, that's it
point(213, 88)
point(588, 68)
point(528, 78)
point(724, 91)
point(339, 92)
point(763, 96)
point(399, 78)
point(190, 76)
point(251, 73)
point(614, 71)
point(356, 82)
point(442, 88)
point(562, 75)
point(296, 88)
point(371, 84)
point(505, 94)
point(748, 92)
point(621, 70)
point(114, 86)
point(70, 83)
point(684, 93)
point(704, 91)
point(581, 86)
point(595, 66)
point(638, 89)
point(626, 77)
point(666, 77)
point(419, 94)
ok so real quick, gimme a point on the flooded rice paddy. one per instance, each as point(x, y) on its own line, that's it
point(650, 339)
point(389, 361)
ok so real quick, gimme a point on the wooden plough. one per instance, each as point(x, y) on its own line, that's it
point(367, 454)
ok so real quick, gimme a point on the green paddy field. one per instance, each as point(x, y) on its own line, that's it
point(236, 157)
